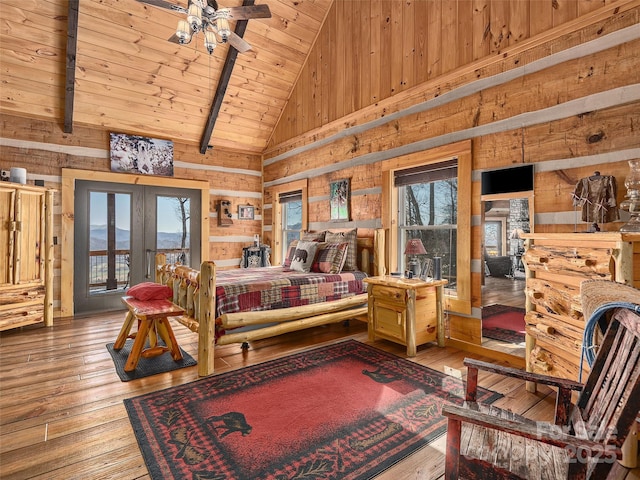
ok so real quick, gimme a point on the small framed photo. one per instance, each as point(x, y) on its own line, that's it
point(246, 212)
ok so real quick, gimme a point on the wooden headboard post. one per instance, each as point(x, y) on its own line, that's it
point(379, 267)
point(368, 246)
point(161, 259)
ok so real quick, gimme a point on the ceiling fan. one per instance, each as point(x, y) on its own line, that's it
point(205, 16)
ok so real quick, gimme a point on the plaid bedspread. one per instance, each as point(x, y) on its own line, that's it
point(255, 289)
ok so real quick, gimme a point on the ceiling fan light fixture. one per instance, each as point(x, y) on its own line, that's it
point(183, 32)
point(210, 41)
point(194, 17)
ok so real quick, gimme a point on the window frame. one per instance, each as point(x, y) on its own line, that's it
point(460, 301)
point(284, 211)
point(277, 225)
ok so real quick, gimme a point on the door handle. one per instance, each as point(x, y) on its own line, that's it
point(148, 261)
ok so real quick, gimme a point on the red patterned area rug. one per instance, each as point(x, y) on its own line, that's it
point(345, 411)
point(504, 323)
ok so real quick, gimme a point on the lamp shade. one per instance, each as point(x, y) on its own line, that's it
point(222, 25)
point(415, 247)
point(183, 32)
point(194, 17)
point(210, 41)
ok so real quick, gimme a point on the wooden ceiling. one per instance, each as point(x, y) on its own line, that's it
point(130, 79)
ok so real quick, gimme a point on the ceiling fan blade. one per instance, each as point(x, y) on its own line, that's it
point(164, 4)
point(251, 11)
point(238, 43)
point(174, 39)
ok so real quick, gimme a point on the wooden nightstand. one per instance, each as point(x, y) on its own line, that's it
point(406, 311)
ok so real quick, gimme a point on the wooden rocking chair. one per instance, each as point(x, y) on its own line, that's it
point(485, 442)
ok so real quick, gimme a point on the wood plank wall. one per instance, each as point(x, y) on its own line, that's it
point(370, 50)
point(43, 149)
point(562, 94)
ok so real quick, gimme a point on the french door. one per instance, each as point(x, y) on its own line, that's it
point(118, 230)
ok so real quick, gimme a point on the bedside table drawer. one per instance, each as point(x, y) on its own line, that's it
point(390, 320)
point(389, 294)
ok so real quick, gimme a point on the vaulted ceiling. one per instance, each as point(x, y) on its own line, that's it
point(129, 78)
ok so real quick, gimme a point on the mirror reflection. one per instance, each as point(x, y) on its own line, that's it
point(503, 298)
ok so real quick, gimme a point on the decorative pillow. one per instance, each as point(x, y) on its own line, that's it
point(150, 291)
point(330, 257)
point(303, 256)
point(351, 238)
point(313, 236)
point(289, 256)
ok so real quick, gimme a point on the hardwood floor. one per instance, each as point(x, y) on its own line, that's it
point(503, 291)
point(62, 415)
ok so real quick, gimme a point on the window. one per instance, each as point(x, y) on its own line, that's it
point(291, 205)
point(428, 195)
point(428, 204)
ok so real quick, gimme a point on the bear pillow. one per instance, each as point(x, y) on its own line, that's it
point(303, 256)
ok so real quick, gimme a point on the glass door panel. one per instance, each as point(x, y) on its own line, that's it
point(172, 228)
point(109, 241)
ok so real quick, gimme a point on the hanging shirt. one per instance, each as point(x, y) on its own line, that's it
point(597, 197)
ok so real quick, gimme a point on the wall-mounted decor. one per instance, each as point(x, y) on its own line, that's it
point(339, 200)
point(224, 213)
point(136, 154)
point(246, 212)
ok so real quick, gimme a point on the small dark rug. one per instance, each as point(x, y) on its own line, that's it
point(504, 323)
point(146, 366)
point(345, 411)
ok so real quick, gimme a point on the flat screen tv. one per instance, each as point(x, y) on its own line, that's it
point(507, 180)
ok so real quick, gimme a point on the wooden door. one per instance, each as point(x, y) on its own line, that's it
point(28, 256)
point(22, 214)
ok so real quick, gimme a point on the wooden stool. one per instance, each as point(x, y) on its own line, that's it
point(153, 321)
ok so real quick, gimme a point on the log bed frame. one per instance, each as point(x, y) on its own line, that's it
point(194, 291)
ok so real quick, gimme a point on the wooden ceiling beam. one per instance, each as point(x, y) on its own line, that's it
point(70, 79)
point(225, 76)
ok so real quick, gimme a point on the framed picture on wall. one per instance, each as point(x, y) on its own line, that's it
point(246, 212)
point(339, 199)
point(141, 155)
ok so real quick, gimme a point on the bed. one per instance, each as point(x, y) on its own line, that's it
point(242, 305)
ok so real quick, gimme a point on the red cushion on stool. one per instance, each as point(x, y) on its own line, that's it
point(150, 291)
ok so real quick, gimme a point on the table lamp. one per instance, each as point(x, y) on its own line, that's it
point(414, 247)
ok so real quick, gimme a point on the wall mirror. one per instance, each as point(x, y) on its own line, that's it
point(505, 218)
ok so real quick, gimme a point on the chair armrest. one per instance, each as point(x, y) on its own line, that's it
point(538, 431)
point(565, 386)
point(522, 374)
